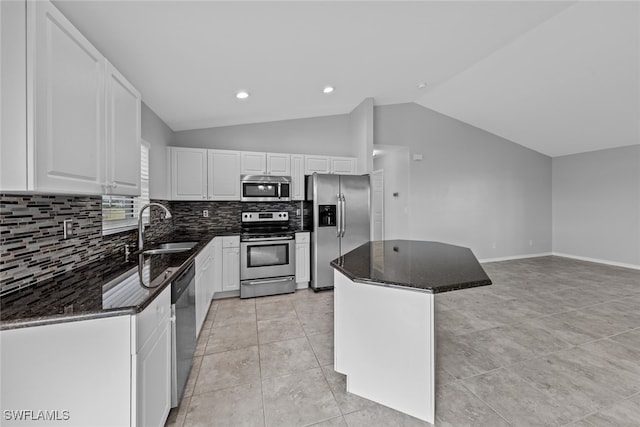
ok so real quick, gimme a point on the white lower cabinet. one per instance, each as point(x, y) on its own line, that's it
point(153, 364)
point(113, 371)
point(205, 281)
point(218, 265)
point(303, 260)
point(154, 393)
point(231, 263)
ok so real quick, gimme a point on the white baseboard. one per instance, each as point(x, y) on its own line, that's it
point(509, 258)
point(596, 260)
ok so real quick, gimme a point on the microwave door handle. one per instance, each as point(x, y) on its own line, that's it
point(279, 190)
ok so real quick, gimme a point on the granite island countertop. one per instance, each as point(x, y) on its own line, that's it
point(108, 287)
point(431, 267)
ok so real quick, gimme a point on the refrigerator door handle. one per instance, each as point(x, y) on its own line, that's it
point(338, 216)
point(343, 216)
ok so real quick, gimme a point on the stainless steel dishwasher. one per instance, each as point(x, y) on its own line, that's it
point(183, 331)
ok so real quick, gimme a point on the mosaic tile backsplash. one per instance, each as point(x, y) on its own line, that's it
point(31, 236)
point(227, 214)
point(31, 231)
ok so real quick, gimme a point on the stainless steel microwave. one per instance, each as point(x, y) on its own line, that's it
point(265, 188)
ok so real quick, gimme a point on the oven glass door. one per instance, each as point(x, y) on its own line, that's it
point(255, 190)
point(268, 255)
point(267, 259)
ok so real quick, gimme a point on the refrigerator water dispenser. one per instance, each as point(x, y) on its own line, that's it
point(327, 215)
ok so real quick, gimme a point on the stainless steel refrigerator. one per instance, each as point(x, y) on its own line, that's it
point(341, 211)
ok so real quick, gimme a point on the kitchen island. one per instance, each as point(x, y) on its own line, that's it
point(384, 322)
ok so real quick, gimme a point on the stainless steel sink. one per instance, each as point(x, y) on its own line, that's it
point(169, 248)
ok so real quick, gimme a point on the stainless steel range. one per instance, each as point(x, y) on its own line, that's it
point(267, 254)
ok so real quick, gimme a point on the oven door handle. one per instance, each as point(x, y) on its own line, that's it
point(262, 282)
point(265, 239)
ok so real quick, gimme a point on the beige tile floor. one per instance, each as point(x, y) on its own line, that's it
point(553, 342)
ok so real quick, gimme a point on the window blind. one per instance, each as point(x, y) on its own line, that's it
point(120, 213)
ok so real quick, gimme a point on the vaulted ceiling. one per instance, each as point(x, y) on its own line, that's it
point(558, 77)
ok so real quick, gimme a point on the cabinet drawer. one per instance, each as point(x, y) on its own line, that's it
point(304, 237)
point(149, 319)
point(231, 241)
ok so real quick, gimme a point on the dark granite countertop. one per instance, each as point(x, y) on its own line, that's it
point(108, 287)
point(432, 267)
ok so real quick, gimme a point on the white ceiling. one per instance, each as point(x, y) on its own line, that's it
point(570, 85)
point(557, 77)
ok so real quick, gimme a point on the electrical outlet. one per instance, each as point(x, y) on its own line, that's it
point(67, 228)
point(205, 213)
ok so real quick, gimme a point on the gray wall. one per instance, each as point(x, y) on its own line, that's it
point(328, 135)
point(394, 161)
point(473, 188)
point(362, 135)
point(596, 205)
point(159, 136)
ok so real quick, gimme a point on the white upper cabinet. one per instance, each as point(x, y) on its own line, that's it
point(13, 83)
point(123, 135)
point(329, 164)
point(224, 168)
point(188, 173)
point(279, 164)
point(224, 175)
point(319, 164)
point(297, 177)
point(81, 130)
point(253, 163)
point(259, 163)
point(201, 174)
point(343, 165)
point(68, 105)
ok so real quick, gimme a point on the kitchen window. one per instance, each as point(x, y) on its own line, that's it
point(120, 213)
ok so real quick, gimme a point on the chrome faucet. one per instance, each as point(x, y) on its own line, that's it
point(167, 215)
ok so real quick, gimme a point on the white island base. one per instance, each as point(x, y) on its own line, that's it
point(384, 344)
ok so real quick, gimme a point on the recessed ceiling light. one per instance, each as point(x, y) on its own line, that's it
point(242, 94)
point(327, 89)
point(422, 85)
